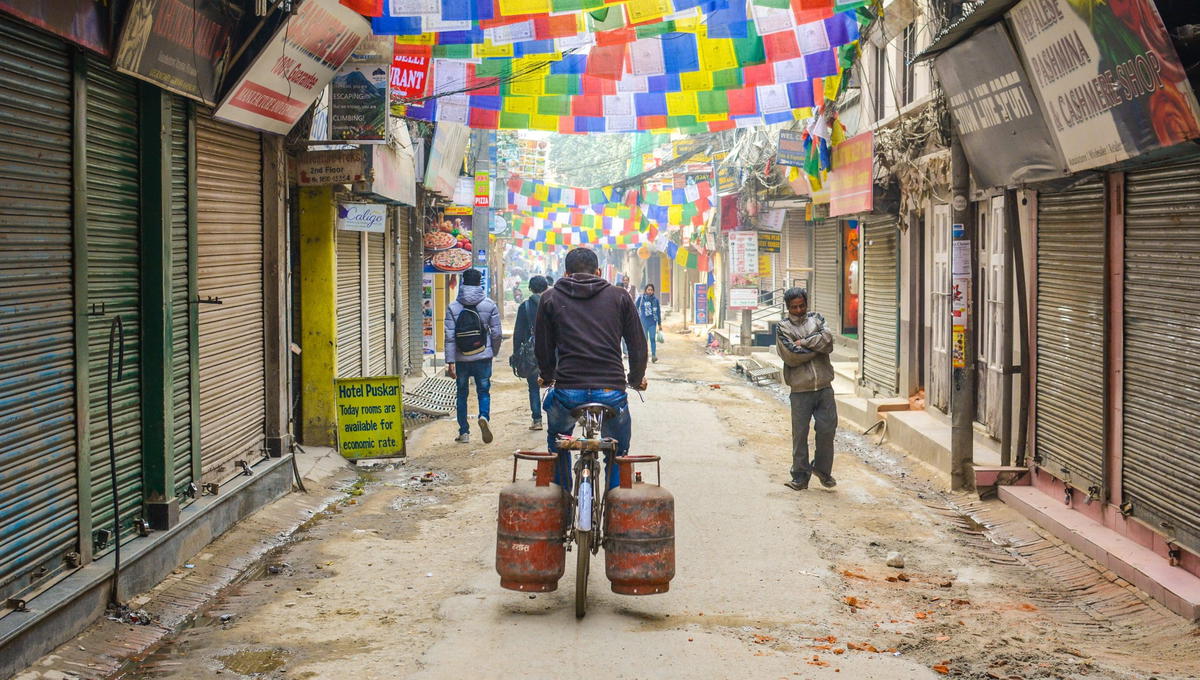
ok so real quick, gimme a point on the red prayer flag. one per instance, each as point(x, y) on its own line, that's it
point(367, 8)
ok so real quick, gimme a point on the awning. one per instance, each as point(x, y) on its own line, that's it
point(986, 14)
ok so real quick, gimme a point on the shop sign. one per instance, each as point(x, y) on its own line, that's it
point(791, 149)
point(483, 190)
point(769, 241)
point(700, 304)
point(299, 61)
point(358, 108)
point(370, 217)
point(743, 258)
point(772, 219)
point(410, 72)
point(317, 168)
point(742, 299)
point(370, 417)
point(428, 341)
point(83, 22)
point(179, 46)
point(764, 266)
point(447, 240)
point(850, 180)
point(1108, 78)
point(726, 178)
point(995, 112)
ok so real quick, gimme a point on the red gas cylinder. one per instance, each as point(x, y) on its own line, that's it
point(639, 548)
point(530, 552)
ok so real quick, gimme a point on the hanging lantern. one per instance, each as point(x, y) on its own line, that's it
point(644, 252)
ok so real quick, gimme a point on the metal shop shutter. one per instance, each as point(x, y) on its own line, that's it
point(377, 299)
point(229, 256)
point(1161, 468)
point(403, 297)
point(39, 505)
point(881, 305)
point(1070, 334)
point(183, 325)
point(798, 234)
point(349, 304)
point(827, 273)
point(113, 284)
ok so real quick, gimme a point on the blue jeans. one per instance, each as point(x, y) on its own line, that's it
point(481, 371)
point(535, 398)
point(651, 330)
point(558, 407)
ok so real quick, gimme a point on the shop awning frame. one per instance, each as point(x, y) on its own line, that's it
point(985, 15)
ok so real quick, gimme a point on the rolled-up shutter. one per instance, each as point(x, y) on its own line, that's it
point(39, 505)
point(182, 309)
point(113, 281)
point(349, 304)
point(1070, 334)
point(230, 268)
point(798, 234)
point(881, 305)
point(826, 273)
point(1161, 468)
point(403, 296)
point(377, 321)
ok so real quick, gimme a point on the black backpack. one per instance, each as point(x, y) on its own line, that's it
point(524, 359)
point(470, 337)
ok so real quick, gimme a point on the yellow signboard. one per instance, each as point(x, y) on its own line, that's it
point(370, 417)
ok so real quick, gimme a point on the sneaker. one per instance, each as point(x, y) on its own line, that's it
point(828, 481)
point(535, 425)
point(796, 486)
point(464, 438)
point(654, 360)
point(487, 431)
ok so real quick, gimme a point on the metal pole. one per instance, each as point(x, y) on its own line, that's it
point(962, 351)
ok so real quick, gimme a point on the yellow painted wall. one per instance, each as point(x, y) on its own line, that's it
point(318, 315)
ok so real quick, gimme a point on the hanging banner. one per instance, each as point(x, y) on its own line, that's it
point(343, 166)
point(358, 109)
point(743, 258)
point(183, 47)
point(791, 149)
point(850, 180)
point(446, 158)
point(370, 417)
point(370, 217)
point(1108, 78)
point(994, 107)
point(700, 304)
point(447, 240)
point(289, 73)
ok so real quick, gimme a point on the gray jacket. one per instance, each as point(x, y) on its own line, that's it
point(489, 316)
point(808, 368)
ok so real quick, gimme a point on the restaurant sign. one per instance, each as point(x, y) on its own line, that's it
point(180, 46)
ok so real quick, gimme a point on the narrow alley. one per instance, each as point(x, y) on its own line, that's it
point(396, 578)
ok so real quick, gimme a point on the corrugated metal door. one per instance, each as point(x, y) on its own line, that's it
point(881, 305)
point(1161, 469)
point(403, 337)
point(939, 305)
point(39, 505)
point(182, 309)
point(1070, 334)
point(349, 304)
point(113, 282)
point(230, 267)
point(827, 272)
point(798, 234)
point(377, 312)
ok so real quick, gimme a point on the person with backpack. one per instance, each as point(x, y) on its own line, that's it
point(650, 312)
point(472, 341)
point(524, 359)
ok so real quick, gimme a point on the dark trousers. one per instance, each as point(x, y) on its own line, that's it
point(820, 407)
point(535, 398)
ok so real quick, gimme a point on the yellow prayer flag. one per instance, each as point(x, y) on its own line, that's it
point(540, 122)
point(682, 104)
point(696, 81)
point(716, 54)
point(423, 39)
point(526, 105)
point(646, 10)
point(832, 83)
point(487, 49)
point(509, 8)
point(675, 214)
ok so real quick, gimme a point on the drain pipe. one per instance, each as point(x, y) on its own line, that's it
point(116, 336)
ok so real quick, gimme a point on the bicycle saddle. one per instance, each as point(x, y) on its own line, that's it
point(604, 409)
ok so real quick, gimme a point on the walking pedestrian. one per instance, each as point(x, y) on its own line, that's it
point(805, 343)
point(650, 312)
point(472, 341)
point(524, 359)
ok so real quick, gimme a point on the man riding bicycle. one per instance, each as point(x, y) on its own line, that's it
point(577, 340)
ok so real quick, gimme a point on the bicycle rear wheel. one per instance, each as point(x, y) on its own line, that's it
point(583, 556)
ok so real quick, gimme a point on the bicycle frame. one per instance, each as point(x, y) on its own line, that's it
point(587, 507)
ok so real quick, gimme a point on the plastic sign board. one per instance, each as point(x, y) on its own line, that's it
point(700, 304)
point(370, 417)
point(791, 149)
point(358, 108)
point(370, 217)
point(179, 46)
point(769, 242)
point(294, 67)
point(316, 168)
point(743, 299)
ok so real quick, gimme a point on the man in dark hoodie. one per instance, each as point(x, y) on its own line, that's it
point(522, 331)
point(462, 364)
point(577, 337)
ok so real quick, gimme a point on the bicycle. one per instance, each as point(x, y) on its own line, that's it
point(586, 511)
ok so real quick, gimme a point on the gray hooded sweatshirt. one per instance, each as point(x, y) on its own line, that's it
point(489, 316)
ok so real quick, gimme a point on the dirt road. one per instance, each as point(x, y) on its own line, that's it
point(398, 580)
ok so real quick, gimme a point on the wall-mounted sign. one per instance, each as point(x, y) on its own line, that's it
point(483, 190)
point(410, 72)
point(726, 177)
point(370, 417)
point(772, 219)
point(299, 61)
point(428, 341)
point(358, 109)
point(1109, 81)
point(770, 241)
point(741, 299)
point(700, 304)
point(343, 166)
point(850, 180)
point(743, 258)
point(362, 217)
point(791, 149)
point(180, 46)
point(447, 239)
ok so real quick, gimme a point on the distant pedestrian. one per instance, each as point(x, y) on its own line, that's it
point(516, 290)
point(650, 312)
point(472, 341)
point(524, 359)
point(805, 343)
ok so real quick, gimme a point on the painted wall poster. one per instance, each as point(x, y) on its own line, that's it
point(1108, 78)
point(290, 72)
point(370, 417)
point(180, 46)
point(447, 239)
point(358, 108)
